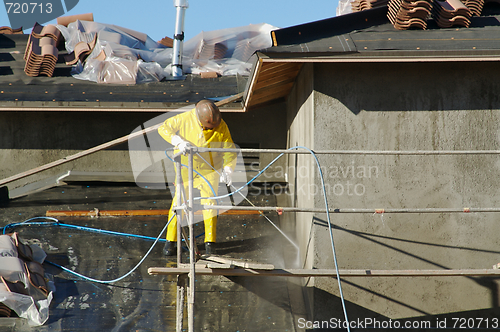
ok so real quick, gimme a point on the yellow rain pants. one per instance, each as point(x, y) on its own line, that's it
point(187, 126)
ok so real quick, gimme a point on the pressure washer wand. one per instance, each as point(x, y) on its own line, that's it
point(230, 194)
point(248, 201)
point(197, 253)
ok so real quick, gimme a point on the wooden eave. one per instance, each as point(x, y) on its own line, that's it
point(270, 81)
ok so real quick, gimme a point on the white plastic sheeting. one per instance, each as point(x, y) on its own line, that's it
point(344, 7)
point(133, 57)
point(34, 308)
point(226, 51)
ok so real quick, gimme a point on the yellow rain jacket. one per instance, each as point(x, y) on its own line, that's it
point(187, 126)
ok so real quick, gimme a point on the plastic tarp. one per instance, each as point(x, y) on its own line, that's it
point(133, 57)
point(32, 306)
point(344, 7)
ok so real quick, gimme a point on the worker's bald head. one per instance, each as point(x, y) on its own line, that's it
point(208, 113)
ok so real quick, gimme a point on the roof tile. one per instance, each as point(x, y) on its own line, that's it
point(41, 52)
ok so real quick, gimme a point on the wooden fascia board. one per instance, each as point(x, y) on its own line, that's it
point(259, 69)
point(247, 95)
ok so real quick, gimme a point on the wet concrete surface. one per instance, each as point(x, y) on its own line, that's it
point(141, 302)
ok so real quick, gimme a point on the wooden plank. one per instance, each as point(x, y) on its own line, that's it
point(219, 266)
point(328, 272)
point(239, 263)
point(101, 147)
point(229, 99)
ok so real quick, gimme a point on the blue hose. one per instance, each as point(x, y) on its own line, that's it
point(55, 221)
point(204, 178)
point(123, 276)
point(326, 207)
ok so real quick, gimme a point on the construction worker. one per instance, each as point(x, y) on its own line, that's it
point(204, 127)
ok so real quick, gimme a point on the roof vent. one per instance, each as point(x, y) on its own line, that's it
point(181, 6)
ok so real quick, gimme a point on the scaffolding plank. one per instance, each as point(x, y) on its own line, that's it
point(39, 186)
point(239, 263)
point(219, 266)
point(326, 272)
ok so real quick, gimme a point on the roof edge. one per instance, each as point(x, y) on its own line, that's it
point(337, 25)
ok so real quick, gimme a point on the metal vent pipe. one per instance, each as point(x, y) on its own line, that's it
point(181, 6)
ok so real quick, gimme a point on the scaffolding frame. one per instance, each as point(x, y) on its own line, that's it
point(182, 271)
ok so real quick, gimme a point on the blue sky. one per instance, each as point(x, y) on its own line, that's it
point(157, 17)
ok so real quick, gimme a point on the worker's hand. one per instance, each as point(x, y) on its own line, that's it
point(184, 146)
point(180, 144)
point(227, 175)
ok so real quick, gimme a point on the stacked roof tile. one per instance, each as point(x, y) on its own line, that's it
point(405, 14)
point(210, 51)
point(81, 52)
point(21, 275)
point(475, 6)
point(167, 41)
point(451, 13)
point(360, 5)
point(9, 31)
point(41, 51)
point(41, 54)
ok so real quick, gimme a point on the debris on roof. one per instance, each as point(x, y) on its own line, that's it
point(451, 13)
point(81, 52)
point(24, 291)
point(360, 5)
point(9, 31)
point(65, 20)
point(41, 51)
point(405, 14)
point(124, 56)
point(414, 13)
point(167, 42)
point(226, 51)
point(475, 6)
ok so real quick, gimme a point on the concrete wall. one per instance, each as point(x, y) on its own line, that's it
point(263, 128)
point(300, 175)
point(414, 106)
point(300, 170)
point(31, 139)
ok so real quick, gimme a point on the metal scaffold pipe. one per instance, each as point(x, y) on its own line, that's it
point(349, 210)
point(361, 152)
point(192, 276)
